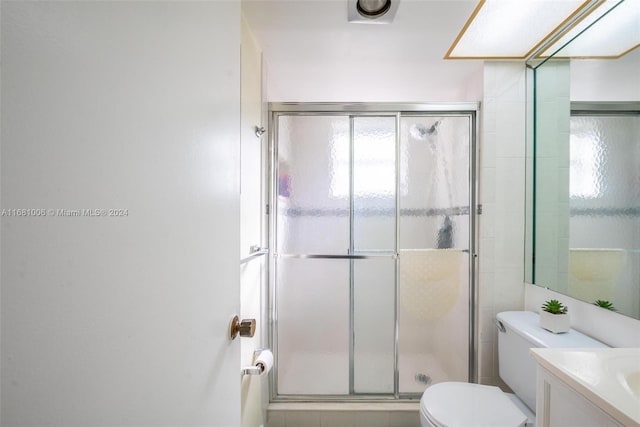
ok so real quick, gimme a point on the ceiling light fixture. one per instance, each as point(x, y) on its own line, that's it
point(373, 8)
point(502, 29)
point(372, 11)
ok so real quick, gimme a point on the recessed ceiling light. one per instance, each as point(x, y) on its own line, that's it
point(512, 29)
point(373, 8)
point(372, 11)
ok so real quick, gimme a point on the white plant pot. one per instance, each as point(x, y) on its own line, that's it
point(556, 323)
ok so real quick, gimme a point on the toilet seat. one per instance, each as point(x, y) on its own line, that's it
point(457, 404)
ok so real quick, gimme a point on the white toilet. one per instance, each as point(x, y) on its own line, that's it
point(457, 404)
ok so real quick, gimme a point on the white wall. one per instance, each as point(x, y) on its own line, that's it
point(606, 80)
point(386, 81)
point(501, 224)
point(252, 273)
point(120, 321)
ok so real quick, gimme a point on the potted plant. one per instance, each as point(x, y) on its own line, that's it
point(604, 304)
point(554, 317)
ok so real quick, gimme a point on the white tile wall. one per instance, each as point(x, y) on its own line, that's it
point(501, 224)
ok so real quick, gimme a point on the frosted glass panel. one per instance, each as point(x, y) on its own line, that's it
point(313, 184)
point(374, 183)
point(348, 326)
point(433, 317)
point(374, 297)
point(434, 268)
point(434, 182)
point(313, 326)
point(604, 210)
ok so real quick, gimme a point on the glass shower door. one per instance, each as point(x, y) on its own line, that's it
point(374, 237)
point(435, 178)
point(335, 261)
point(312, 219)
point(371, 229)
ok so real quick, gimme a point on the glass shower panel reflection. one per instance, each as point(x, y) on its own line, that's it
point(313, 184)
point(434, 250)
point(313, 334)
point(603, 181)
point(374, 313)
point(374, 184)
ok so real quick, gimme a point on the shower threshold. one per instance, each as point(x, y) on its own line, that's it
point(374, 405)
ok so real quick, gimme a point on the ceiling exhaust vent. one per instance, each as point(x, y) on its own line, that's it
point(372, 11)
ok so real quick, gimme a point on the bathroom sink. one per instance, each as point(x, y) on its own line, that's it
point(626, 370)
point(608, 377)
point(632, 383)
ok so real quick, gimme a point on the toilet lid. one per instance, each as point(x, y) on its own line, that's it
point(458, 404)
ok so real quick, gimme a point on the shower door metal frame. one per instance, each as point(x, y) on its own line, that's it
point(466, 109)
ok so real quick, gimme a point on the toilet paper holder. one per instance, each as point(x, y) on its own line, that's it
point(256, 369)
point(252, 370)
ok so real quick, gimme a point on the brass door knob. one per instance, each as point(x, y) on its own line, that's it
point(246, 327)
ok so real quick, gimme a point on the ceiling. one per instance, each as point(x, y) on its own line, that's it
point(311, 49)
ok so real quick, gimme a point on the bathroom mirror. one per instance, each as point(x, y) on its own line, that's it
point(583, 190)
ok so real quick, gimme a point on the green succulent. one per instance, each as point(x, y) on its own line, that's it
point(604, 304)
point(554, 307)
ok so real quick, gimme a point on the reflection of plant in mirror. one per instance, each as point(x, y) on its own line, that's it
point(604, 304)
point(554, 307)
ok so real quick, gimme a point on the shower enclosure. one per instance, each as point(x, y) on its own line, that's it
point(372, 226)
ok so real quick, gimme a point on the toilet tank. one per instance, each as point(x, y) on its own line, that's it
point(521, 331)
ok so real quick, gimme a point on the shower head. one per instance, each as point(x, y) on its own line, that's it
point(419, 131)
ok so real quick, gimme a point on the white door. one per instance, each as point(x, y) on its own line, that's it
point(120, 226)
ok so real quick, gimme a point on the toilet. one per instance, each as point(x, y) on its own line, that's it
point(457, 404)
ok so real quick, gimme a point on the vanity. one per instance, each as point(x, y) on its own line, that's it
point(587, 387)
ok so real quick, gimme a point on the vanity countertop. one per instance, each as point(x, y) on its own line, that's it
point(610, 377)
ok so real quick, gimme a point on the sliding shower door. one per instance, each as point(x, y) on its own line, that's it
point(435, 242)
point(361, 207)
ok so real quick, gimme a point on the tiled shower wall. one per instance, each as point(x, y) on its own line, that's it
point(502, 195)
